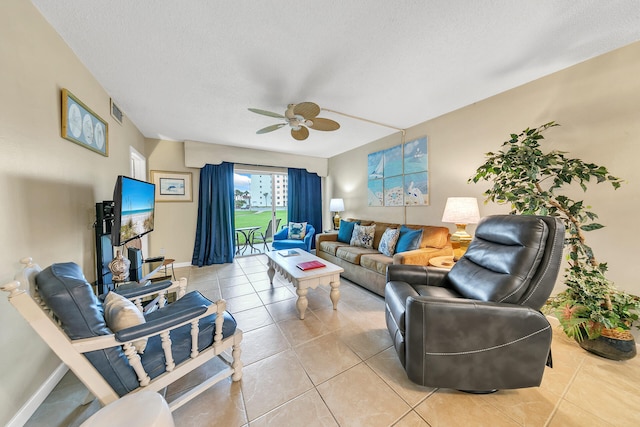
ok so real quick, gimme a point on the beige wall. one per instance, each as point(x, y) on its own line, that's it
point(597, 104)
point(175, 222)
point(48, 185)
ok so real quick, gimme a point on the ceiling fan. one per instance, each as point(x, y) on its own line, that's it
point(299, 117)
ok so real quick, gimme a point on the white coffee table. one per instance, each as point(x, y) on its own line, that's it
point(303, 280)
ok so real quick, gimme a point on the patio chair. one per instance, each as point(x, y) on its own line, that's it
point(267, 236)
point(160, 347)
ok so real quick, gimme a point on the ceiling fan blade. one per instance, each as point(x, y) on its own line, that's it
point(324, 124)
point(271, 128)
point(266, 113)
point(300, 134)
point(308, 110)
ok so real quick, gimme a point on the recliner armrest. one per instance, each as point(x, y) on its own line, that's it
point(395, 298)
point(415, 274)
point(158, 325)
point(474, 324)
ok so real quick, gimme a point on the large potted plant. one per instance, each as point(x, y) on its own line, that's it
point(535, 182)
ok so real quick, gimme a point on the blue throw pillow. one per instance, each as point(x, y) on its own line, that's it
point(346, 230)
point(297, 230)
point(409, 239)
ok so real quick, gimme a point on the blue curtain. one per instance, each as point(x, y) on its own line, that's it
point(305, 199)
point(216, 221)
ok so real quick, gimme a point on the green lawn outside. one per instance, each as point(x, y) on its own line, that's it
point(258, 218)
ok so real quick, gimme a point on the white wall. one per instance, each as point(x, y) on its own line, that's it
point(48, 185)
point(596, 103)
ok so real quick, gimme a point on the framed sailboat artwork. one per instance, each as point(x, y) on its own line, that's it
point(375, 174)
point(416, 183)
point(398, 176)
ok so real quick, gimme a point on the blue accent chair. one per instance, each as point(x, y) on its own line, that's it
point(281, 241)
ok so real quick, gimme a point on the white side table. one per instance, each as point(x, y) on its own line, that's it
point(141, 409)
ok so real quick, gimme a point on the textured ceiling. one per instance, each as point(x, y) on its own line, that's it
point(188, 70)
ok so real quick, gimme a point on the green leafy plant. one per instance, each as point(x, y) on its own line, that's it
point(532, 182)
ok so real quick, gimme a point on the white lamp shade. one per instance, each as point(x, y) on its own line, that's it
point(336, 205)
point(461, 210)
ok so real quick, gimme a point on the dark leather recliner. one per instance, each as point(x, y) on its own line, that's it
point(478, 326)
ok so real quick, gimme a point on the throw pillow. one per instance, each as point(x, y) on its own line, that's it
point(120, 313)
point(346, 231)
point(363, 235)
point(409, 239)
point(297, 230)
point(388, 241)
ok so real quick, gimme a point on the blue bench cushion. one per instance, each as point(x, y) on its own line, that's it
point(67, 293)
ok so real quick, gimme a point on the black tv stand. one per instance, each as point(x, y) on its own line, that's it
point(104, 249)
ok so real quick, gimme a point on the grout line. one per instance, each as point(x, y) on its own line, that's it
point(564, 392)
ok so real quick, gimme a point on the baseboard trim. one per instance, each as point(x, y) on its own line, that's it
point(29, 408)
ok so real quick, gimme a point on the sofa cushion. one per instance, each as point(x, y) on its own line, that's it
point(331, 247)
point(352, 254)
point(376, 262)
point(409, 239)
point(346, 230)
point(363, 235)
point(388, 241)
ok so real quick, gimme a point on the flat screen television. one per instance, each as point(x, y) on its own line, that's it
point(133, 209)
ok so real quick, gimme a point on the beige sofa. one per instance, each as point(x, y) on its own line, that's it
point(368, 267)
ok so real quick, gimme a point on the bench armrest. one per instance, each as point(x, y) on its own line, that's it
point(159, 325)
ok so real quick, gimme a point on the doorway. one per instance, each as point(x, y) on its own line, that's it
point(138, 170)
point(261, 205)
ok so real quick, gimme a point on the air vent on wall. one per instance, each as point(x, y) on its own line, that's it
point(116, 112)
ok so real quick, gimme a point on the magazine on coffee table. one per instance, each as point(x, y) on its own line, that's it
point(288, 253)
point(310, 265)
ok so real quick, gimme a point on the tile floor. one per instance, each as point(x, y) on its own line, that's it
point(338, 368)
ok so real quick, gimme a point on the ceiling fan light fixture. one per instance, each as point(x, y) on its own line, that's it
point(299, 117)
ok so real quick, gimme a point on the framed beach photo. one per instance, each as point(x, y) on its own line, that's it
point(172, 186)
point(82, 126)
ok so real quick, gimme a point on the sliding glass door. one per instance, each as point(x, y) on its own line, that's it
point(260, 208)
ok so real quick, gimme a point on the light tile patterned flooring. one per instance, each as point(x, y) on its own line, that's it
point(338, 368)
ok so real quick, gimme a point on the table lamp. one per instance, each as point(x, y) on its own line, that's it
point(461, 211)
point(337, 206)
